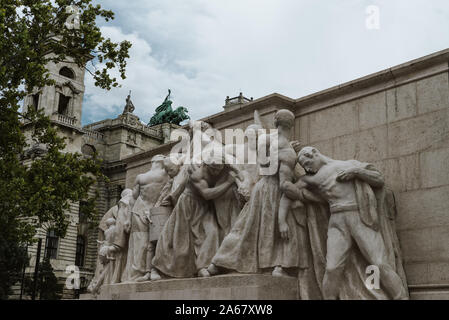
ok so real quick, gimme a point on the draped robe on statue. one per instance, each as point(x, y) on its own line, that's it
point(138, 242)
point(254, 242)
point(111, 213)
point(227, 209)
point(377, 208)
point(121, 238)
point(190, 237)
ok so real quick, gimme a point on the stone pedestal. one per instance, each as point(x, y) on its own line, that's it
point(224, 287)
point(429, 292)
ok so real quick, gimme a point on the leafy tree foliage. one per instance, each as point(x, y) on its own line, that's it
point(37, 193)
point(47, 287)
point(12, 259)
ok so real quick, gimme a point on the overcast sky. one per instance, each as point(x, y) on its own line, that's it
point(204, 50)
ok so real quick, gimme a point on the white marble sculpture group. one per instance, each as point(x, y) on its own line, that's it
point(327, 227)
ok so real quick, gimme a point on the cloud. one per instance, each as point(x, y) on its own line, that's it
point(149, 79)
point(206, 50)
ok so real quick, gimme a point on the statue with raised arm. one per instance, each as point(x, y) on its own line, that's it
point(359, 233)
point(129, 107)
point(256, 243)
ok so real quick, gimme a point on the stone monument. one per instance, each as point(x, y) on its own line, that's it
point(200, 227)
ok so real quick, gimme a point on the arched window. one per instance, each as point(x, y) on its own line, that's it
point(80, 251)
point(51, 245)
point(88, 150)
point(67, 72)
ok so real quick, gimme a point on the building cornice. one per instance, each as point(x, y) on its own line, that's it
point(402, 74)
point(393, 76)
point(147, 155)
point(110, 166)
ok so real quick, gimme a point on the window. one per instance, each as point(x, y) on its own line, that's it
point(81, 216)
point(88, 150)
point(80, 250)
point(35, 98)
point(51, 245)
point(67, 72)
point(63, 106)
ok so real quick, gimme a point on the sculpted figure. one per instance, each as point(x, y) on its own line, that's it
point(176, 185)
point(129, 107)
point(190, 237)
point(107, 249)
point(249, 170)
point(227, 205)
point(121, 243)
point(255, 243)
point(122, 234)
point(111, 213)
point(161, 211)
point(359, 233)
point(106, 256)
point(146, 192)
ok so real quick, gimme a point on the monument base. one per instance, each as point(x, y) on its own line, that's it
point(429, 292)
point(224, 287)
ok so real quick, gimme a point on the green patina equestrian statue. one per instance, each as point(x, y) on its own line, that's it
point(165, 113)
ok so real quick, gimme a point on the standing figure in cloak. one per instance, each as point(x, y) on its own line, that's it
point(102, 227)
point(146, 192)
point(106, 256)
point(359, 233)
point(255, 242)
point(122, 234)
point(190, 238)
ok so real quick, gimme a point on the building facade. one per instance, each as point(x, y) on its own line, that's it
point(112, 139)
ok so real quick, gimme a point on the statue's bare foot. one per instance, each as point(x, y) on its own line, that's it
point(146, 277)
point(203, 273)
point(155, 275)
point(279, 272)
point(213, 270)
